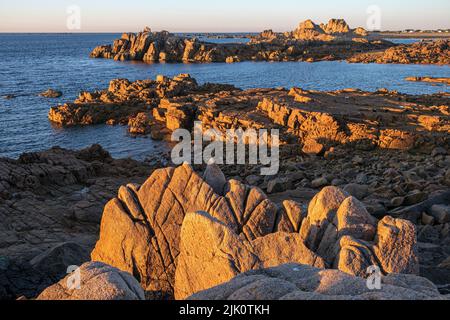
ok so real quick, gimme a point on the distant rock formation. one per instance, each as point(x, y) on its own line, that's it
point(429, 79)
point(50, 93)
point(426, 52)
point(150, 47)
point(334, 29)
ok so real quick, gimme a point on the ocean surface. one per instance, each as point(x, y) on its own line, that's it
point(32, 63)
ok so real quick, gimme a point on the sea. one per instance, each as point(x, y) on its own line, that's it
point(32, 63)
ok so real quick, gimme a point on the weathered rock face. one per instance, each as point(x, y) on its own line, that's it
point(212, 253)
point(151, 232)
point(300, 282)
point(50, 210)
point(97, 282)
point(143, 224)
point(434, 52)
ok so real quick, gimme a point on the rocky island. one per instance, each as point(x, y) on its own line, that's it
point(309, 42)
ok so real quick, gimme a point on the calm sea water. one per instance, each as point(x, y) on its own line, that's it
point(32, 63)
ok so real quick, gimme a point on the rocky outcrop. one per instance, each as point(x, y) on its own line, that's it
point(237, 230)
point(433, 52)
point(315, 120)
point(129, 102)
point(50, 210)
point(151, 47)
point(300, 282)
point(429, 80)
point(335, 29)
point(96, 281)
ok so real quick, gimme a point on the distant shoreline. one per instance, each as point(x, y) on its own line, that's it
point(413, 35)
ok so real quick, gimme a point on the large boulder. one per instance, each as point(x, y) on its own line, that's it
point(300, 282)
point(212, 253)
point(340, 229)
point(153, 232)
point(140, 230)
point(97, 281)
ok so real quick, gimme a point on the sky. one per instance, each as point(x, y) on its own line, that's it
point(214, 16)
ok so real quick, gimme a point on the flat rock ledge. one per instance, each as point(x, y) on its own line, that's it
point(300, 282)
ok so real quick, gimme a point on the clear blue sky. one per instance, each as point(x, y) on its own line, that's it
point(215, 15)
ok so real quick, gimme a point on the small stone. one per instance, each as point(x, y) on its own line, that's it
point(359, 191)
point(312, 147)
point(441, 213)
point(427, 220)
point(358, 160)
point(279, 185)
point(362, 178)
point(439, 151)
point(161, 78)
point(415, 197)
point(337, 182)
point(397, 201)
point(320, 182)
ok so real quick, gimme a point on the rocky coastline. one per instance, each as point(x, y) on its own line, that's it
point(309, 42)
point(364, 181)
point(425, 52)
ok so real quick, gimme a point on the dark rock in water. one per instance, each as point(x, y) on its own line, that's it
point(9, 96)
point(50, 93)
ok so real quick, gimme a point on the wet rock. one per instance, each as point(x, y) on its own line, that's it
point(415, 197)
